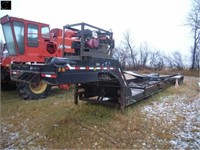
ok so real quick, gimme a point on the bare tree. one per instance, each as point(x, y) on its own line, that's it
point(194, 23)
point(121, 54)
point(156, 60)
point(178, 60)
point(129, 45)
point(174, 61)
point(143, 54)
point(168, 61)
point(198, 59)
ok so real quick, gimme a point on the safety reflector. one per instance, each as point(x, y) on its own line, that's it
point(14, 72)
point(48, 75)
point(68, 67)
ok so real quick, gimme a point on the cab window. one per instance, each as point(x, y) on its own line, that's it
point(32, 35)
point(9, 38)
point(19, 34)
point(45, 32)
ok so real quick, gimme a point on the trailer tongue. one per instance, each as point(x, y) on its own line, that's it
point(97, 77)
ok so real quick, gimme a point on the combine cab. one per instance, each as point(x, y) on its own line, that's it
point(98, 77)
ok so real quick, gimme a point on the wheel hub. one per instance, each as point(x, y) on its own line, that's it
point(38, 88)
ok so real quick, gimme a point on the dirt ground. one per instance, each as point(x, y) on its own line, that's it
point(168, 120)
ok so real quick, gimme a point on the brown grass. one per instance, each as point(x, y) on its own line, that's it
point(184, 72)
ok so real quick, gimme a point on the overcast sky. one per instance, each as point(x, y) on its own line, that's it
point(160, 23)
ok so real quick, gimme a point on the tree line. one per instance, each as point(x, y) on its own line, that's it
point(143, 57)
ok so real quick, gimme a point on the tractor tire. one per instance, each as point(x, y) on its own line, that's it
point(32, 91)
point(7, 84)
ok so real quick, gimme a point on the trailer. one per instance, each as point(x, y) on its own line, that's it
point(98, 78)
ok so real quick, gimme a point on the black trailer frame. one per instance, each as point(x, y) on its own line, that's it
point(97, 77)
point(103, 82)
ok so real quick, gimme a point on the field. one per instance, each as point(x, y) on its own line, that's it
point(168, 120)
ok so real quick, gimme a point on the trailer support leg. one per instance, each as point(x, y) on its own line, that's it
point(122, 101)
point(176, 83)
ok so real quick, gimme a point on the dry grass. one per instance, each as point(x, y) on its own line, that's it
point(184, 72)
point(56, 123)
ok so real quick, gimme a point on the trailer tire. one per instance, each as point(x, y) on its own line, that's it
point(29, 91)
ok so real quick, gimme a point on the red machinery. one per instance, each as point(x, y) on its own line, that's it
point(31, 42)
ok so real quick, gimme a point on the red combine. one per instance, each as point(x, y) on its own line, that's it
point(30, 42)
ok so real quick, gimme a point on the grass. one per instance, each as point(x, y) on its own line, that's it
point(167, 71)
point(56, 123)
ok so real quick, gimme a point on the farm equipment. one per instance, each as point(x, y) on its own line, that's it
point(30, 42)
point(6, 83)
point(98, 78)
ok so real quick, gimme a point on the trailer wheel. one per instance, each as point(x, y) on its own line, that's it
point(33, 91)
